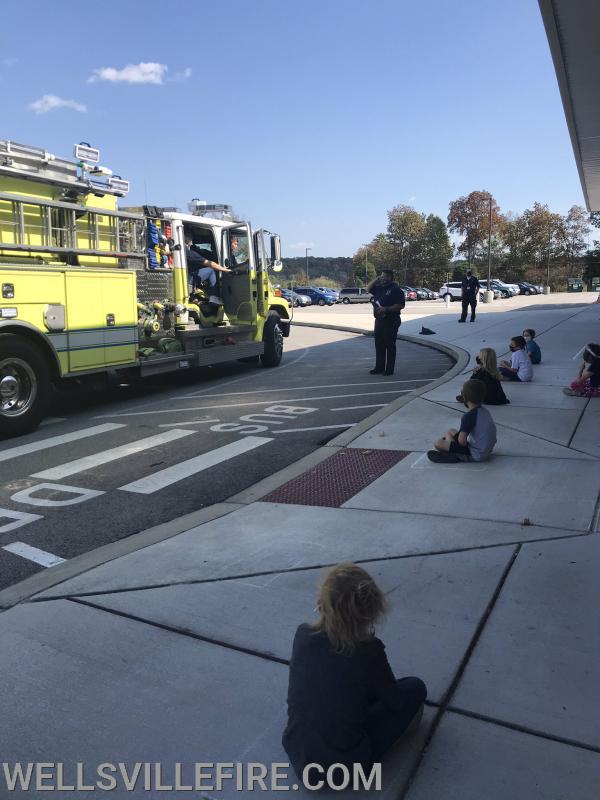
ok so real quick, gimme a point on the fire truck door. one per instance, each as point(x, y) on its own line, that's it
point(101, 319)
point(240, 287)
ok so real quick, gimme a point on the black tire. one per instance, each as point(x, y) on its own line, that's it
point(321, 302)
point(273, 339)
point(448, 295)
point(25, 385)
point(526, 292)
point(346, 301)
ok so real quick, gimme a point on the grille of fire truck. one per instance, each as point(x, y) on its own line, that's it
point(68, 228)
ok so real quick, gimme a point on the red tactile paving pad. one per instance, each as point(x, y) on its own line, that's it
point(335, 480)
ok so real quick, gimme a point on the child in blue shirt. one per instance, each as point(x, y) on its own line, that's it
point(477, 435)
point(533, 349)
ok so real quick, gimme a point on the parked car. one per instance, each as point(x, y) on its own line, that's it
point(421, 293)
point(329, 290)
point(355, 294)
point(317, 297)
point(453, 290)
point(409, 293)
point(528, 288)
point(498, 289)
point(295, 299)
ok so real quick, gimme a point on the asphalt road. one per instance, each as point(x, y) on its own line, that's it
point(110, 464)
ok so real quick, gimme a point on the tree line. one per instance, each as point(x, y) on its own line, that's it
point(527, 246)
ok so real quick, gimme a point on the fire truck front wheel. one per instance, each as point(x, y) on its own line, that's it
point(24, 385)
point(273, 339)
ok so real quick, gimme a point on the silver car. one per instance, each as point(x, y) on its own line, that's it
point(355, 294)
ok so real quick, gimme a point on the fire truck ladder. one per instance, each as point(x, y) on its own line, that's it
point(64, 228)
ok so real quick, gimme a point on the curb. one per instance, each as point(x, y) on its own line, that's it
point(46, 579)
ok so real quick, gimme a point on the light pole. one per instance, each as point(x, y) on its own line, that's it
point(489, 295)
point(306, 249)
point(548, 260)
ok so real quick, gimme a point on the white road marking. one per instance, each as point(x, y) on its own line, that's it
point(244, 405)
point(165, 477)
point(34, 554)
point(318, 428)
point(187, 422)
point(351, 408)
point(78, 495)
point(19, 518)
point(291, 389)
point(54, 441)
point(104, 457)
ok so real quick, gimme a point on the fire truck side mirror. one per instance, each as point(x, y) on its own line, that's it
point(276, 253)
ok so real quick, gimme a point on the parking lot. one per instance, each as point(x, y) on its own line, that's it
point(106, 466)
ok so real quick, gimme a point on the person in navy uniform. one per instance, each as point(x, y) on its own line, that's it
point(388, 300)
point(470, 293)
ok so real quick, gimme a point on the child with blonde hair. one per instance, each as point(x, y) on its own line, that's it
point(487, 372)
point(344, 704)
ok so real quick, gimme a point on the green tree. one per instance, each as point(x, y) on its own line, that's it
point(405, 231)
point(435, 253)
point(469, 217)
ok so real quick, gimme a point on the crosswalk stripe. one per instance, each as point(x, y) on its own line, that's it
point(54, 441)
point(376, 393)
point(104, 457)
point(165, 477)
point(288, 389)
point(34, 554)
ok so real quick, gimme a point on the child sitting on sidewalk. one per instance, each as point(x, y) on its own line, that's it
point(587, 383)
point(477, 435)
point(533, 348)
point(344, 704)
point(520, 368)
point(487, 372)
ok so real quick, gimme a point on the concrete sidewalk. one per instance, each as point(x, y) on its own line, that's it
point(178, 652)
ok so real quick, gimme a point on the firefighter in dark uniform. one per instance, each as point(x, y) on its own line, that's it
point(388, 300)
point(470, 293)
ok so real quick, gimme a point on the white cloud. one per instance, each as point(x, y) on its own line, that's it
point(49, 102)
point(300, 245)
point(144, 72)
point(182, 76)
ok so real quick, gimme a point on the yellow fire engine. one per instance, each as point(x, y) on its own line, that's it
point(89, 288)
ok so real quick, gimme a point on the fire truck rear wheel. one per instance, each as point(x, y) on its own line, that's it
point(273, 339)
point(24, 386)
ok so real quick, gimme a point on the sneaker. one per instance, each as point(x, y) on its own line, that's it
point(461, 320)
point(460, 398)
point(571, 392)
point(388, 373)
point(442, 458)
point(375, 372)
point(215, 300)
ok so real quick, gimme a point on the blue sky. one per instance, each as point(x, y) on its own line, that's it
point(311, 119)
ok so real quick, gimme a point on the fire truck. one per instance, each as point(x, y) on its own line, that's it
point(91, 289)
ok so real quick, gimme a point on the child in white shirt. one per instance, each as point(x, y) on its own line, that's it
point(520, 368)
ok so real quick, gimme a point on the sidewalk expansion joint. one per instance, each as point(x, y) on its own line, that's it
point(447, 404)
point(448, 694)
point(181, 632)
point(305, 568)
point(578, 423)
point(514, 726)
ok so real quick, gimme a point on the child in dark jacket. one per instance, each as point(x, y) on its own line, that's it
point(486, 371)
point(344, 704)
